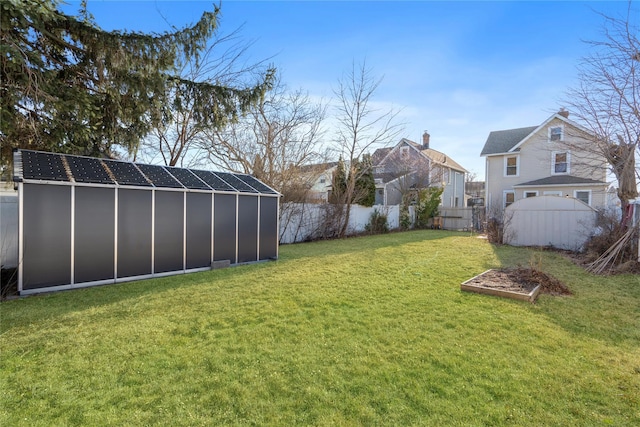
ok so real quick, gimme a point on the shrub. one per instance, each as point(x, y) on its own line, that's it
point(610, 231)
point(405, 217)
point(377, 223)
point(427, 205)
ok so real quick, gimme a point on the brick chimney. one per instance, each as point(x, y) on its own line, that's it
point(425, 140)
point(564, 113)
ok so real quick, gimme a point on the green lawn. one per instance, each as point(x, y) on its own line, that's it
point(363, 331)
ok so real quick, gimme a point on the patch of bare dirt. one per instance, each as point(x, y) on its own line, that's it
point(520, 279)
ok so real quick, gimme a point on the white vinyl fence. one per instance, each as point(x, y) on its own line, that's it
point(8, 229)
point(458, 218)
point(300, 222)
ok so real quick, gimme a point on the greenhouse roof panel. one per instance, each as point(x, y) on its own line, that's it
point(159, 176)
point(213, 180)
point(188, 179)
point(126, 173)
point(43, 166)
point(88, 169)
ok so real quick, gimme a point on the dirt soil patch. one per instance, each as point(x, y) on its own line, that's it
point(520, 279)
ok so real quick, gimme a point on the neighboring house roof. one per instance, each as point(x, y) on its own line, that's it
point(378, 156)
point(381, 154)
point(510, 140)
point(385, 177)
point(318, 167)
point(561, 180)
point(443, 159)
point(502, 141)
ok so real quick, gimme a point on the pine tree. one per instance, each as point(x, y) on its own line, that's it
point(365, 182)
point(338, 183)
point(68, 86)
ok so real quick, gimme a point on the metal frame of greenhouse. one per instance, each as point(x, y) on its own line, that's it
point(85, 221)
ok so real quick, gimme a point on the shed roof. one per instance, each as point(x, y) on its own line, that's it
point(42, 166)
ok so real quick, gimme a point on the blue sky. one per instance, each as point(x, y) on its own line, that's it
point(457, 69)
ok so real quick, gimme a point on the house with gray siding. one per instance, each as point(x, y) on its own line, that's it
point(409, 166)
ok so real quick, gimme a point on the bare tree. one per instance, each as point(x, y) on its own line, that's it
point(274, 141)
point(177, 139)
point(607, 100)
point(360, 126)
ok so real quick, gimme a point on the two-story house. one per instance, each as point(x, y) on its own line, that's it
point(553, 158)
point(408, 166)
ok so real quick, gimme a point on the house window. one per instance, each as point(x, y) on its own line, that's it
point(404, 151)
point(556, 133)
point(511, 166)
point(560, 162)
point(583, 195)
point(509, 198)
point(322, 180)
point(553, 193)
point(528, 194)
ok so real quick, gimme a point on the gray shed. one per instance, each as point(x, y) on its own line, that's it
point(86, 221)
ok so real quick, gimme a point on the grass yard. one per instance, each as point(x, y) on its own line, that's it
point(363, 331)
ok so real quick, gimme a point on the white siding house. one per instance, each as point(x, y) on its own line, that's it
point(552, 158)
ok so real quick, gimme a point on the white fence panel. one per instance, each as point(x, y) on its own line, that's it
point(8, 229)
point(300, 222)
point(560, 222)
point(456, 218)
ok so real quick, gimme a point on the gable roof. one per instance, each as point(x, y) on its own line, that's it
point(378, 156)
point(502, 141)
point(317, 167)
point(510, 140)
point(441, 158)
point(435, 156)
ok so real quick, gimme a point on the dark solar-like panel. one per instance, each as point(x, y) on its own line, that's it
point(188, 179)
point(37, 165)
point(45, 166)
point(159, 176)
point(213, 181)
point(88, 169)
point(126, 173)
point(256, 184)
point(236, 182)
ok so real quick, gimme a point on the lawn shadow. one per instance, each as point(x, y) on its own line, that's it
point(51, 306)
point(601, 307)
point(54, 305)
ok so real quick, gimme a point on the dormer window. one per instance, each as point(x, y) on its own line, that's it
point(556, 133)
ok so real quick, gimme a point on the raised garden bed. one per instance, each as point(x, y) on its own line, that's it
point(516, 283)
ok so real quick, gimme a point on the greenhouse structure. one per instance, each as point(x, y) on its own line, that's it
point(86, 221)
